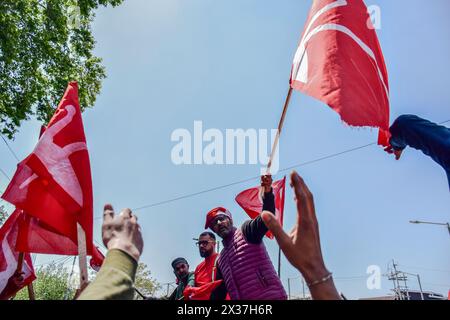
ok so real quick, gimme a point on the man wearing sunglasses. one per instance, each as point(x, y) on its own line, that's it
point(244, 263)
point(206, 271)
point(207, 284)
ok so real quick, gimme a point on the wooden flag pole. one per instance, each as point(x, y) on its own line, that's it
point(82, 253)
point(280, 127)
point(31, 294)
point(19, 269)
point(273, 152)
point(20, 262)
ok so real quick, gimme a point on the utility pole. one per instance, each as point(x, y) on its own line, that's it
point(289, 288)
point(404, 277)
point(394, 276)
point(66, 295)
point(397, 276)
point(420, 286)
point(397, 287)
point(303, 286)
point(168, 287)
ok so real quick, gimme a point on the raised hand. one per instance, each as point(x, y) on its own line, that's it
point(122, 232)
point(302, 246)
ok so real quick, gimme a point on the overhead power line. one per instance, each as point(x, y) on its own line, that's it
point(427, 269)
point(10, 149)
point(252, 178)
point(4, 173)
point(151, 205)
point(257, 177)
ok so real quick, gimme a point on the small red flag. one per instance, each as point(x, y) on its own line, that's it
point(9, 256)
point(339, 61)
point(251, 201)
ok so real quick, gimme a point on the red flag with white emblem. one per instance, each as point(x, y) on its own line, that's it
point(10, 284)
point(339, 61)
point(252, 202)
point(53, 184)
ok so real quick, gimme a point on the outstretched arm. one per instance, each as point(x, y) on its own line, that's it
point(254, 230)
point(302, 246)
point(421, 134)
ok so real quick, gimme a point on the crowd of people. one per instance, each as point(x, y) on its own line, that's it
point(243, 269)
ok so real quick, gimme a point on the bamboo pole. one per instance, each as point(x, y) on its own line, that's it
point(82, 253)
point(20, 262)
point(19, 271)
point(280, 128)
point(31, 294)
point(273, 152)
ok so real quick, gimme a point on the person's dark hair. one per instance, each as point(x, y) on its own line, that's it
point(177, 261)
point(208, 233)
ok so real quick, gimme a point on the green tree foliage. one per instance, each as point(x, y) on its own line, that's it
point(52, 283)
point(144, 282)
point(44, 44)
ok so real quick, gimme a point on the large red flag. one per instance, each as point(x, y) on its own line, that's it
point(339, 61)
point(251, 201)
point(9, 257)
point(53, 184)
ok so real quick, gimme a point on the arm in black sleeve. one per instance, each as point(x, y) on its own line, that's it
point(269, 202)
point(254, 230)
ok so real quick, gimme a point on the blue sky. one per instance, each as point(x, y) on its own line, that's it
point(227, 63)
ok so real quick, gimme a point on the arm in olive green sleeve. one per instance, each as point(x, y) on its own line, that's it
point(115, 279)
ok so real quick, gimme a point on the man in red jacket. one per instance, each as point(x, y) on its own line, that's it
point(206, 281)
point(206, 271)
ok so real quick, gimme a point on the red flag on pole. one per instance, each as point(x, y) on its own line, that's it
point(53, 184)
point(339, 61)
point(9, 259)
point(251, 201)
